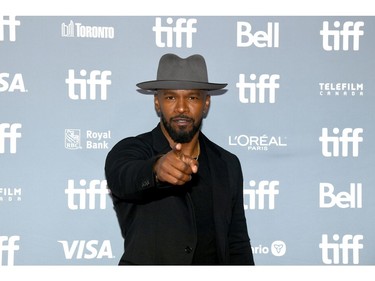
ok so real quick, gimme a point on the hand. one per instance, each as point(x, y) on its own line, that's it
point(175, 167)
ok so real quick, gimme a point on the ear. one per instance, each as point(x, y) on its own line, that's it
point(156, 104)
point(207, 105)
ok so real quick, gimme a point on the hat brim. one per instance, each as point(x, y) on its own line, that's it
point(180, 85)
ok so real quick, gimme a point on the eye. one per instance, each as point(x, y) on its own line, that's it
point(193, 98)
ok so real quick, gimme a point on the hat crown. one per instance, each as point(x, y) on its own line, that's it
point(172, 67)
point(181, 74)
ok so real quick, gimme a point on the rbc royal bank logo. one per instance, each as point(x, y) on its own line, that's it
point(93, 140)
point(73, 139)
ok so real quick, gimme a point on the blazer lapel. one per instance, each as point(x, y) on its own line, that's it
point(221, 197)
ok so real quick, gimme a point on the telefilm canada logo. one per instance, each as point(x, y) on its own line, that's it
point(79, 30)
point(341, 89)
point(76, 139)
point(10, 194)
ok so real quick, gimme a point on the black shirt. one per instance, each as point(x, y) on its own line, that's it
point(201, 194)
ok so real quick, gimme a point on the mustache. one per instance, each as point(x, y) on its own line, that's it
point(182, 116)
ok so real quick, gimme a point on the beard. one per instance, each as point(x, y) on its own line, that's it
point(181, 135)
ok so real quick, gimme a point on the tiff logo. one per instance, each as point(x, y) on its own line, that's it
point(258, 90)
point(340, 37)
point(9, 131)
point(351, 199)
point(11, 23)
point(258, 196)
point(165, 36)
point(96, 78)
point(8, 247)
point(331, 145)
point(260, 39)
point(337, 252)
point(77, 197)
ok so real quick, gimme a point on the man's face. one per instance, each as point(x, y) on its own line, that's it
point(181, 112)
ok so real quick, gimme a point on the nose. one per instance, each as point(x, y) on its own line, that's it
point(182, 105)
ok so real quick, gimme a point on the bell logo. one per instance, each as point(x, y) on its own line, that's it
point(351, 199)
point(260, 39)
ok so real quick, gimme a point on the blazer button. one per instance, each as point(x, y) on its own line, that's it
point(188, 249)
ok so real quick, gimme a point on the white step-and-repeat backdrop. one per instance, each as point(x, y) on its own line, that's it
point(299, 113)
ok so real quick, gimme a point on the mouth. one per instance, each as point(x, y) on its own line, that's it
point(182, 121)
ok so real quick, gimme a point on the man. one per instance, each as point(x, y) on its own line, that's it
point(177, 195)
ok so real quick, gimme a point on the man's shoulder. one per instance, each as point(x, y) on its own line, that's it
point(222, 152)
point(143, 139)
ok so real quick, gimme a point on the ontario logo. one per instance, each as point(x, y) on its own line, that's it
point(277, 249)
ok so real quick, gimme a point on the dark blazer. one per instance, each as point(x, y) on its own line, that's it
point(157, 221)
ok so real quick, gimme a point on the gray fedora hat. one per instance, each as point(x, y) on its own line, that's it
point(181, 74)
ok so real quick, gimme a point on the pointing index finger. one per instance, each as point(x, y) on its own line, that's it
point(177, 150)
